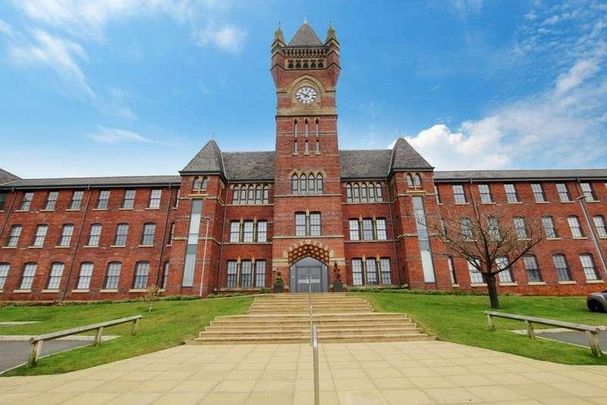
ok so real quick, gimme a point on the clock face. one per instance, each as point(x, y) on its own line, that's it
point(306, 95)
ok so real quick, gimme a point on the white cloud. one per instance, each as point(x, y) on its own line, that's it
point(464, 8)
point(581, 71)
point(116, 135)
point(229, 38)
point(60, 54)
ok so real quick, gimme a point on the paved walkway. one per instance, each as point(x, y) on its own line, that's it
point(14, 353)
point(355, 373)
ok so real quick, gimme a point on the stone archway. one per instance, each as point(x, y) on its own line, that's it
point(313, 249)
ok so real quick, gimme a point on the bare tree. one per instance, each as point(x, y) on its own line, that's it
point(492, 241)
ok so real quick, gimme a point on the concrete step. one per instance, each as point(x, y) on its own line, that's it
point(302, 324)
point(316, 316)
point(304, 331)
point(353, 338)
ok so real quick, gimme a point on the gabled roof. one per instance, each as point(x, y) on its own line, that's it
point(305, 36)
point(208, 160)
point(520, 175)
point(405, 157)
point(94, 182)
point(6, 177)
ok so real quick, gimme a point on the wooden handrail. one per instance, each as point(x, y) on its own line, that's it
point(592, 331)
point(37, 341)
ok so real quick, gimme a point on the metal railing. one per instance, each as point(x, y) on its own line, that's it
point(313, 342)
point(38, 341)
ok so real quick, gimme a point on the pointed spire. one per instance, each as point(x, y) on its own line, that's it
point(305, 36)
point(278, 36)
point(208, 160)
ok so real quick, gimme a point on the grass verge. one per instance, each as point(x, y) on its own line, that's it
point(460, 319)
point(169, 324)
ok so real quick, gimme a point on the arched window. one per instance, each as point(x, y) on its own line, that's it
point(197, 183)
point(317, 128)
point(417, 180)
point(302, 184)
point(295, 128)
point(371, 191)
point(266, 194)
point(306, 132)
point(319, 184)
point(409, 180)
point(306, 147)
point(356, 193)
point(363, 192)
point(258, 194)
point(205, 181)
point(251, 195)
point(295, 150)
point(311, 184)
point(379, 192)
point(243, 195)
point(348, 192)
point(294, 184)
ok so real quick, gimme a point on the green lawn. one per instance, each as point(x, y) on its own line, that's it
point(460, 319)
point(169, 324)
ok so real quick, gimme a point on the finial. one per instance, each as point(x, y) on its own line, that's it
point(212, 134)
point(305, 20)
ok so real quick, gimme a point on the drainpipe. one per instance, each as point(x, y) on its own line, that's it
point(204, 255)
point(223, 226)
point(9, 211)
point(76, 247)
point(394, 238)
point(582, 200)
point(164, 234)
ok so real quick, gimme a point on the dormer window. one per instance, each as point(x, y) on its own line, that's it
point(200, 184)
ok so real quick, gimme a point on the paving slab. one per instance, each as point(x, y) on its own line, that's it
point(428, 372)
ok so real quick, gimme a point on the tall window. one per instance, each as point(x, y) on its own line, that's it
point(372, 229)
point(494, 228)
point(574, 226)
point(451, 267)
point(538, 192)
point(192, 247)
point(466, 228)
point(54, 279)
point(315, 224)
point(588, 192)
point(485, 193)
point(13, 236)
point(371, 271)
point(380, 228)
point(262, 231)
point(128, 202)
point(85, 275)
point(4, 269)
point(349, 193)
point(94, 235)
point(549, 229)
point(232, 274)
point(307, 224)
point(357, 272)
point(246, 274)
point(417, 180)
point(367, 229)
point(26, 201)
point(103, 200)
point(588, 266)
point(319, 184)
point(294, 184)
point(533, 271)
point(66, 235)
point(165, 275)
point(248, 231)
point(563, 191)
point(41, 231)
point(511, 195)
point(520, 227)
point(561, 267)
point(51, 201)
point(155, 197)
point(505, 275)
point(235, 231)
point(476, 277)
point(200, 184)
point(260, 273)
point(303, 184)
point(76, 200)
point(122, 233)
point(112, 277)
point(385, 271)
point(147, 238)
point(354, 229)
point(458, 194)
point(599, 224)
point(142, 270)
point(409, 180)
point(27, 278)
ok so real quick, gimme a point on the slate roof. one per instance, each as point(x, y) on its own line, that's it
point(6, 177)
point(514, 175)
point(404, 156)
point(249, 165)
point(94, 182)
point(362, 164)
point(208, 160)
point(305, 36)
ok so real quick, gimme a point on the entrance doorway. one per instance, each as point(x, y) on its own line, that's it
point(309, 270)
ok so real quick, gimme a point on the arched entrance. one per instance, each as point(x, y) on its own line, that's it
point(309, 271)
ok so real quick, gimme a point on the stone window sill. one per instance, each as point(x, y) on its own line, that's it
point(553, 238)
point(99, 209)
point(117, 246)
point(91, 246)
point(152, 208)
point(514, 202)
point(478, 285)
point(145, 246)
point(35, 247)
point(108, 290)
point(77, 291)
point(22, 291)
point(567, 282)
point(9, 247)
point(536, 283)
point(542, 202)
point(54, 290)
point(62, 247)
point(125, 209)
point(455, 285)
point(579, 238)
point(138, 290)
point(594, 281)
point(22, 210)
point(72, 209)
point(567, 202)
point(514, 284)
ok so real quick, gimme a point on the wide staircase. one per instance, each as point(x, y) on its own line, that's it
point(285, 318)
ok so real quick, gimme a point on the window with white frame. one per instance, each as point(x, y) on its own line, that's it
point(40, 235)
point(248, 231)
point(561, 267)
point(307, 224)
point(476, 277)
point(142, 270)
point(549, 228)
point(27, 278)
point(165, 275)
point(26, 201)
point(76, 200)
point(128, 201)
point(563, 192)
point(251, 194)
point(588, 192)
point(364, 192)
point(458, 194)
point(485, 193)
point(122, 233)
point(371, 271)
point(246, 273)
point(589, 268)
point(262, 231)
point(599, 224)
point(54, 278)
point(260, 273)
point(538, 192)
point(66, 235)
point(520, 227)
point(103, 200)
point(4, 269)
point(112, 276)
point(235, 231)
point(494, 228)
point(51, 201)
point(574, 226)
point(466, 228)
point(505, 274)
point(147, 237)
point(511, 194)
point(200, 184)
point(155, 198)
point(451, 267)
point(532, 269)
point(94, 235)
point(13, 236)
point(84, 276)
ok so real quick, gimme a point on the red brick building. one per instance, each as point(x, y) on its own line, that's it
point(233, 220)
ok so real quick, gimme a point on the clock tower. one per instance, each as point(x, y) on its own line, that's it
point(307, 206)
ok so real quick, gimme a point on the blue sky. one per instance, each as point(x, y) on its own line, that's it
point(129, 87)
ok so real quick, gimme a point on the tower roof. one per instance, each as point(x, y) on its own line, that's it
point(6, 177)
point(208, 160)
point(305, 36)
point(404, 156)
